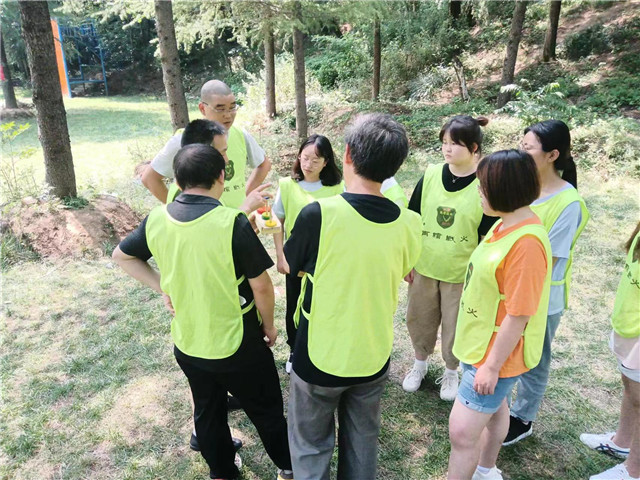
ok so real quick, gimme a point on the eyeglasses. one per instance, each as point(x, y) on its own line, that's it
point(233, 109)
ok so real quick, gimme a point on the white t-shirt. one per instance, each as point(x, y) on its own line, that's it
point(163, 161)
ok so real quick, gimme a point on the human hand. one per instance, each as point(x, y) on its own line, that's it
point(256, 198)
point(252, 221)
point(409, 277)
point(271, 333)
point(485, 380)
point(167, 303)
point(282, 265)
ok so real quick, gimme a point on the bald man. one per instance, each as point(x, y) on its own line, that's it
point(217, 103)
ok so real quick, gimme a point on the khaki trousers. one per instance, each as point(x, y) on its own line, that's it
point(433, 303)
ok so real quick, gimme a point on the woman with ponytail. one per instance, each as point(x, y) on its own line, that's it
point(564, 214)
point(448, 201)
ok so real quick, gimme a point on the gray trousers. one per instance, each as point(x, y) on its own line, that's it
point(312, 429)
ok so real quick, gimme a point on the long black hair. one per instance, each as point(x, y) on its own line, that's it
point(555, 135)
point(330, 174)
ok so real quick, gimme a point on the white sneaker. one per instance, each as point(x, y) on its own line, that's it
point(413, 380)
point(619, 472)
point(603, 442)
point(238, 461)
point(493, 474)
point(289, 364)
point(449, 386)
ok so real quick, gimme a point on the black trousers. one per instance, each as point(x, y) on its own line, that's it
point(293, 285)
point(257, 388)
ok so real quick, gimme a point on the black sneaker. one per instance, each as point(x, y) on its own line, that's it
point(233, 403)
point(518, 430)
point(195, 446)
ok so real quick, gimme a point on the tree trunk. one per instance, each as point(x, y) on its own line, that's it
point(53, 131)
point(549, 50)
point(462, 81)
point(299, 76)
point(270, 70)
point(376, 60)
point(509, 68)
point(171, 64)
point(455, 8)
point(7, 85)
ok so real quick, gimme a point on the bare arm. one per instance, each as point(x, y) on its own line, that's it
point(258, 175)
point(265, 300)
point(278, 240)
point(506, 340)
point(155, 183)
point(138, 269)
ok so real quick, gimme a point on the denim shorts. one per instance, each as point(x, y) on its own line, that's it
point(631, 374)
point(483, 403)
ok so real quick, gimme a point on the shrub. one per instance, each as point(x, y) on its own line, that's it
point(586, 42)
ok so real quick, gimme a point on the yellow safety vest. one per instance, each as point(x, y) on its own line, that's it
point(359, 268)
point(396, 195)
point(196, 267)
point(626, 311)
point(294, 199)
point(450, 222)
point(548, 212)
point(481, 297)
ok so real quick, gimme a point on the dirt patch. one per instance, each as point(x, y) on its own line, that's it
point(23, 111)
point(54, 231)
point(137, 409)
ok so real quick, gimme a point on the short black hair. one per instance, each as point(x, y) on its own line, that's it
point(197, 165)
point(330, 174)
point(201, 131)
point(465, 130)
point(509, 180)
point(378, 145)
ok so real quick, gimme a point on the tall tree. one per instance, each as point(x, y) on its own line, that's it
point(7, 84)
point(377, 49)
point(299, 73)
point(549, 50)
point(270, 69)
point(47, 97)
point(515, 34)
point(171, 64)
point(455, 8)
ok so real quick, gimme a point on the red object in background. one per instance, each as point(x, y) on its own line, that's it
point(2, 77)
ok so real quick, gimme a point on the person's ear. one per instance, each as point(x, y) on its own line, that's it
point(221, 177)
point(201, 108)
point(553, 155)
point(347, 155)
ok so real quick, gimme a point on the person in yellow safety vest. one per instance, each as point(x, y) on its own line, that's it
point(625, 344)
point(214, 280)
point(564, 214)
point(503, 313)
point(217, 103)
point(212, 133)
point(453, 224)
point(354, 250)
point(314, 175)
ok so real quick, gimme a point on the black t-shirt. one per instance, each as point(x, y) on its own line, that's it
point(451, 184)
point(249, 259)
point(301, 251)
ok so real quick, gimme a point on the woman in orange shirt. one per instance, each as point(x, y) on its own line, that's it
point(502, 316)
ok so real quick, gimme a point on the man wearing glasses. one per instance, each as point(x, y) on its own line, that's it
point(217, 103)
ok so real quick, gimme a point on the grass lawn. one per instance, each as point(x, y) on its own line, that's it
point(90, 388)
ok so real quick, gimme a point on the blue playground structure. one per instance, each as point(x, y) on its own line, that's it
point(82, 44)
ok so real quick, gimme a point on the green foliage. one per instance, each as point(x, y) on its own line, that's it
point(338, 60)
point(75, 203)
point(614, 93)
point(535, 105)
point(591, 40)
point(14, 251)
point(17, 180)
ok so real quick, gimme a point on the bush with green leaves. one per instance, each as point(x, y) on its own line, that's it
point(17, 181)
point(535, 105)
point(612, 94)
point(591, 40)
point(337, 60)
